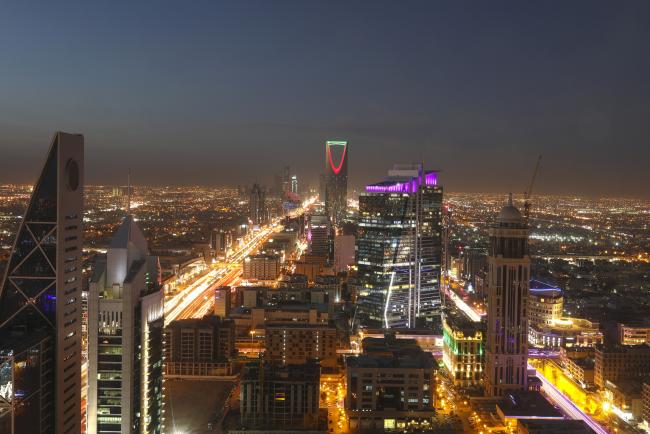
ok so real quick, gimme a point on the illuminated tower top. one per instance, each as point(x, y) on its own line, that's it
point(336, 180)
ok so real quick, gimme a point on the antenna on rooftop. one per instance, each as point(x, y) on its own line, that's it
point(128, 187)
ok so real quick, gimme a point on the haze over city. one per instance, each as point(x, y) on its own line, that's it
point(472, 89)
point(325, 217)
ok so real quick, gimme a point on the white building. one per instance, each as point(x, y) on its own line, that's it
point(125, 326)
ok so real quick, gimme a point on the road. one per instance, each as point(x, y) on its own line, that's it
point(565, 404)
point(195, 300)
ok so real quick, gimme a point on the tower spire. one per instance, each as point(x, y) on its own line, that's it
point(128, 187)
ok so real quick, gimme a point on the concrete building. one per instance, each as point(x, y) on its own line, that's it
point(125, 322)
point(276, 397)
point(633, 334)
point(257, 206)
point(566, 332)
point(508, 286)
point(463, 349)
point(625, 397)
point(399, 249)
point(336, 181)
point(40, 301)
point(318, 234)
point(645, 411)
point(344, 253)
point(390, 386)
point(615, 362)
point(545, 304)
point(199, 347)
point(261, 267)
point(222, 301)
point(298, 343)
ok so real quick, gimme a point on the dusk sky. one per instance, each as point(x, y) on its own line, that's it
point(221, 93)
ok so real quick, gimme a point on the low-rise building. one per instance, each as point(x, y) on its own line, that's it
point(537, 426)
point(625, 396)
point(545, 304)
point(616, 362)
point(280, 397)
point(634, 334)
point(645, 412)
point(390, 386)
point(463, 350)
point(199, 347)
point(297, 343)
point(261, 267)
point(565, 332)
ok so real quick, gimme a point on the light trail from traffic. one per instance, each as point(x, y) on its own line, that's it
point(195, 300)
point(567, 406)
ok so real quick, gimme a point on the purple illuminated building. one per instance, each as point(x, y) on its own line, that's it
point(399, 249)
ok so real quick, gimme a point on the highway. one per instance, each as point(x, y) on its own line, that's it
point(565, 404)
point(196, 300)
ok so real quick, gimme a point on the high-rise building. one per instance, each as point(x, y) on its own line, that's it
point(336, 181)
point(125, 332)
point(318, 232)
point(40, 302)
point(294, 185)
point(257, 206)
point(508, 286)
point(399, 247)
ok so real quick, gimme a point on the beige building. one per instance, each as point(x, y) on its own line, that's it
point(295, 344)
point(633, 334)
point(463, 349)
point(566, 332)
point(261, 267)
point(390, 387)
point(613, 363)
point(507, 287)
point(545, 305)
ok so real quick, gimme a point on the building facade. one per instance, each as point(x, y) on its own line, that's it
point(336, 181)
point(257, 206)
point(399, 249)
point(390, 387)
point(280, 397)
point(125, 334)
point(613, 363)
point(463, 349)
point(199, 347)
point(296, 344)
point(40, 301)
point(508, 286)
point(261, 267)
point(545, 305)
point(633, 334)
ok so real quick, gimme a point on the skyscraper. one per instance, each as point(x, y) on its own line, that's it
point(257, 206)
point(125, 334)
point(336, 181)
point(40, 302)
point(294, 185)
point(507, 288)
point(399, 249)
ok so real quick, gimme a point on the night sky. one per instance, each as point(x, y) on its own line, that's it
point(228, 92)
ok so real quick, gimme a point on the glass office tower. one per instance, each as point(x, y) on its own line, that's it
point(399, 249)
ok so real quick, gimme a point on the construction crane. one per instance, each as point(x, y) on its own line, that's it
point(529, 192)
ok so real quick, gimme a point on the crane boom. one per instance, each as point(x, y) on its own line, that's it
point(529, 192)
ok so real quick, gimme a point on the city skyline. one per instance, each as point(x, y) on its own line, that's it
point(195, 251)
point(542, 85)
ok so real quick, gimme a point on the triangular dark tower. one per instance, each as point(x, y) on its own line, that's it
point(40, 302)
